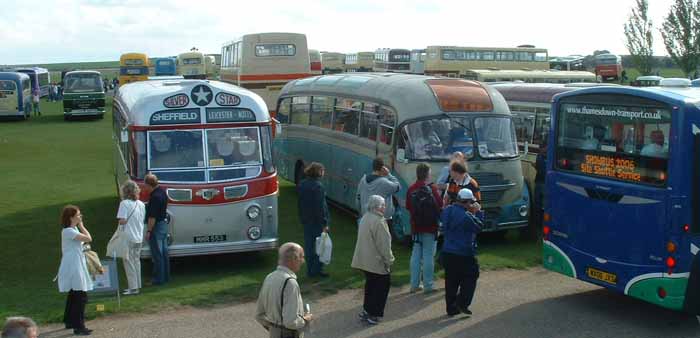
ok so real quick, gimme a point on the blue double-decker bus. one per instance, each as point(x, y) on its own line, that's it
point(623, 194)
point(165, 66)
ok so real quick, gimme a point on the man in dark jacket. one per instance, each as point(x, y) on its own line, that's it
point(313, 213)
point(461, 222)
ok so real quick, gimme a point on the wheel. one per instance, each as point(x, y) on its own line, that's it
point(66, 117)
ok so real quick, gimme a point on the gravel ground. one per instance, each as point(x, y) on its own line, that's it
point(509, 303)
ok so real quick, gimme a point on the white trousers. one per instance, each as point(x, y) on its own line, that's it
point(132, 266)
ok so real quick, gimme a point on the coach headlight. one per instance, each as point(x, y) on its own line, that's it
point(523, 210)
point(254, 232)
point(253, 212)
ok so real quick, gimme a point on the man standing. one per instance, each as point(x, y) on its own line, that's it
point(280, 309)
point(36, 98)
point(461, 222)
point(157, 234)
point(380, 182)
point(424, 204)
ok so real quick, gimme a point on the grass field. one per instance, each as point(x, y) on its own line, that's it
point(47, 163)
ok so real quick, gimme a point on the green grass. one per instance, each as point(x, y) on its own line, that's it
point(47, 163)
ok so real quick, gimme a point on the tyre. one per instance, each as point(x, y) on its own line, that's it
point(66, 118)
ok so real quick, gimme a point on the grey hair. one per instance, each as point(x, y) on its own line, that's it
point(288, 252)
point(458, 154)
point(17, 327)
point(375, 202)
point(130, 190)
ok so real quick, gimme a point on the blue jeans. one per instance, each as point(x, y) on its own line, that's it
point(159, 252)
point(423, 254)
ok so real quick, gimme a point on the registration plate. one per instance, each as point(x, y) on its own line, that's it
point(209, 238)
point(603, 276)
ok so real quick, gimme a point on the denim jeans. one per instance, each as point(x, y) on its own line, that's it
point(423, 255)
point(158, 244)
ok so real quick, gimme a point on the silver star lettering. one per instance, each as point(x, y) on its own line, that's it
point(201, 95)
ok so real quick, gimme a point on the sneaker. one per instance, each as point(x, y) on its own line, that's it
point(128, 292)
point(363, 314)
point(414, 290)
point(371, 320)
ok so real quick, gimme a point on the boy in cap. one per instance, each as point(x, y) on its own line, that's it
point(461, 222)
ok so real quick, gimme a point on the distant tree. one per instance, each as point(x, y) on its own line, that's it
point(640, 38)
point(681, 34)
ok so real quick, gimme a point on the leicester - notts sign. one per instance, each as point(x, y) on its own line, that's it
point(219, 115)
point(175, 116)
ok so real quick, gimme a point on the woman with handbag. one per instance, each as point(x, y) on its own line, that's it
point(73, 275)
point(130, 216)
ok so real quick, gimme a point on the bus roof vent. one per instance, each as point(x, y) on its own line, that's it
point(675, 82)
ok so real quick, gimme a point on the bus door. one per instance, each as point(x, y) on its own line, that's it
point(609, 202)
point(9, 97)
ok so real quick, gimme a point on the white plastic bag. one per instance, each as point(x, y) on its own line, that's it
point(324, 247)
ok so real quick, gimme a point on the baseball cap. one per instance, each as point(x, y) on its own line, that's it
point(465, 195)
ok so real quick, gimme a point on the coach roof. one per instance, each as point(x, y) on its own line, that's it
point(411, 95)
point(139, 100)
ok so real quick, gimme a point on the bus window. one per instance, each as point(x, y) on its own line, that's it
point(524, 125)
point(275, 50)
point(283, 110)
point(300, 110)
point(624, 142)
point(369, 121)
point(347, 116)
point(496, 137)
point(176, 149)
point(233, 146)
point(388, 123)
point(321, 111)
point(542, 121)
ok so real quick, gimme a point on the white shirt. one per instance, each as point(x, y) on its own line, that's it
point(654, 150)
point(134, 225)
point(73, 273)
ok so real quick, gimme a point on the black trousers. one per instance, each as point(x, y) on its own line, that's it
point(461, 274)
point(74, 315)
point(376, 292)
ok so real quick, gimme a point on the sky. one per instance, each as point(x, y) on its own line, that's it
point(52, 31)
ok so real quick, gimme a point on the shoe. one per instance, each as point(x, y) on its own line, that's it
point(128, 292)
point(363, 314)
point(82, 332)
point(414, 290)
point(429, 291)
point(323, 275)
point(464, 310)
point(371, 320)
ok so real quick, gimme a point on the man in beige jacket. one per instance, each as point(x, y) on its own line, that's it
point(280, 308)
point(374, 257)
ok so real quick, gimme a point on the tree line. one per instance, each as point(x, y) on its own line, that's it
point(680, 32)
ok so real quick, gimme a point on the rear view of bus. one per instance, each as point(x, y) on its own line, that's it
point(192, 65)
point(165, 66)
point(608, 67)
point(133, 67)
point(83, 94)
point(209, 143)
point(15, 95)
point(622, 185)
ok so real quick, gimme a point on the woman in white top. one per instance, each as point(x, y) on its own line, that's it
point(131, 215)
point(73, 275)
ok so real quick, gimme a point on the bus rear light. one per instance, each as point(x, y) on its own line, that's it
point(670, 263)
point(686, 227)
point(671, 247)
point(545, 231)
point(661, 292)
point(564, 163)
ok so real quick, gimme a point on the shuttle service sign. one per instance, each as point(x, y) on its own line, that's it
point(175, 116)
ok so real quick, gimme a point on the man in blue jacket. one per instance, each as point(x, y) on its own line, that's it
point(461, 222)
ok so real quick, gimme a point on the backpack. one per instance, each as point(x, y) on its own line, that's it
point(424, 211)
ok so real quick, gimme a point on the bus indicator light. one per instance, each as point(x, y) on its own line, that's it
point(671, 247)
point(547, 217)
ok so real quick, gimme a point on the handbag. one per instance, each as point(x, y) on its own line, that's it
point(93, 261)
point(324, 248)
point(118, 245)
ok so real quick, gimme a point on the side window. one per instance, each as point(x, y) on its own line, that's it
point(283, 110)
point(524, 122)
point(347, 116)
point(300, 110)
point(387, 124)
point(542, 122)
point(369, 122)
point(321, 111)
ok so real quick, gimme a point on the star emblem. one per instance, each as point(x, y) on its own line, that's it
point(201, 95)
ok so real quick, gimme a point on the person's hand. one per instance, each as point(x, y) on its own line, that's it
point(326, 229)
point(308, 317)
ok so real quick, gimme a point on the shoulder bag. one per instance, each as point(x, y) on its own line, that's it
point(118, 245)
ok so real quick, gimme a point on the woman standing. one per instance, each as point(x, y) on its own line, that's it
point(73, 275)
point(130, 215)
point(373, 256)
point(313, 212)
